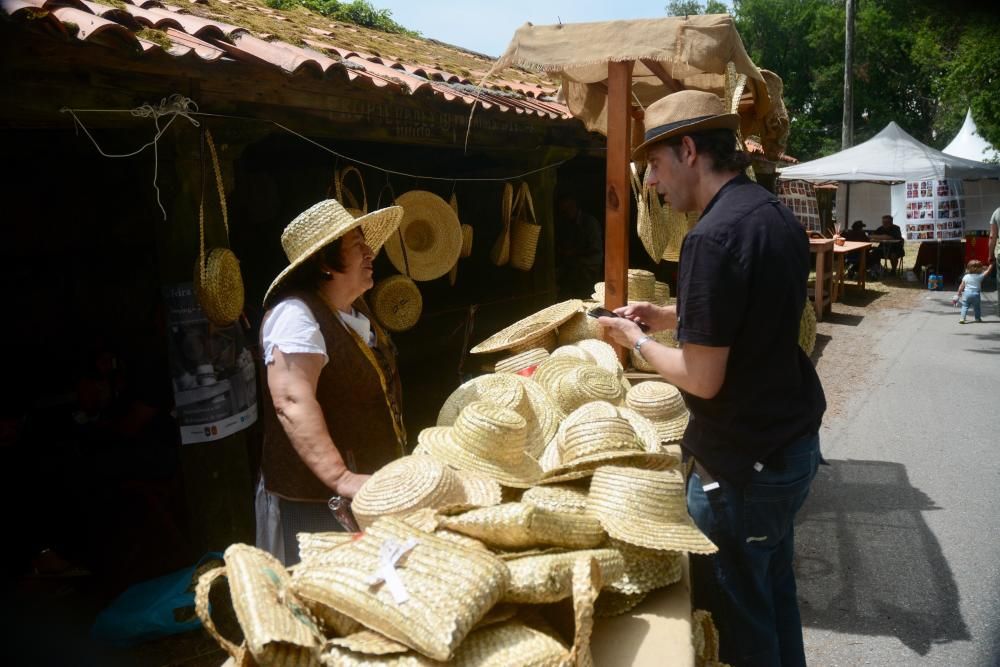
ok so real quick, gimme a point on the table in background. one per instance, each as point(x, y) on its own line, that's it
point(946, 256)
point(824, 293)
point(840, 253)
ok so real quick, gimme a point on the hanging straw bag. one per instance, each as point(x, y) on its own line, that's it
point(500, 254)
point(650, 225)
point(525, 231)
point(218, 283)
point(346, 196)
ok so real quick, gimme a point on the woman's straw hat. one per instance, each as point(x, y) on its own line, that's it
point(430, 237)
point(415, 482)
point(646, 508)
point(487, 439)
point(663, 405)
point(396, 303)
point(685, 112)
point(598, 433)
point(509, 391)
point(322, 224)
point(522, 363)
point(547, 578)
point(645, 569)
point(411, 586)
point(522, 526)
point(531, 328)
point(571, 383)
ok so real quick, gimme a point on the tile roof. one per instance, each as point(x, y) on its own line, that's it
point(292, 41)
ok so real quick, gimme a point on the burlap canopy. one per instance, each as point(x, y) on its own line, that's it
point(690, 52)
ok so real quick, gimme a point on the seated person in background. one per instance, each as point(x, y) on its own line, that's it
point(893, 250)
point(856, 232)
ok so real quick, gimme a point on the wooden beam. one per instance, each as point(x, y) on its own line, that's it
point(617, 192)
point(672, 84)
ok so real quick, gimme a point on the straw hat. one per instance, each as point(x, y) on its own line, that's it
point(663, 405)
point(549, 577)
point(609, 603)
point(533, 327)
point(522, 526)
point(596, 434)
point(644, 429)
point(645, 569)
point(661, 293)
point(646, 508)
point(396, 303)
point(522, 362)
point(685, 112)
point(322, 224)
point(418, 607)
point(571, 383)
point(487, 439)
point(557, 498)
point(580, 326)
point(414, 482)
point(431, 234)
point(509, 391)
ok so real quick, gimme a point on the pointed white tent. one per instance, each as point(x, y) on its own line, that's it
point(969, 144)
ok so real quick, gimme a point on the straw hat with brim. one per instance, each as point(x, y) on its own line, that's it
point(429, 241)
point(662, 404)
point(522, 362)
point(447, 588)
point(549, 578)
point(322, 224)
point(580, 327)
point(646, 508)
point(533, 327)
point(556, 498)
point(598, 434)
point(275, 623)
point(685, 112)
point(644, 429)
point(415, 482)
point(522, 526)
point(602, 353)
point(645, 569)
point(572, 382)
point(509, 391)
point(486, 439)
point(396, 303)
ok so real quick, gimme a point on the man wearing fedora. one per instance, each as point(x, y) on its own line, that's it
point(755, 400)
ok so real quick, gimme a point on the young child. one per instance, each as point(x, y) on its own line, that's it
point(970, 289)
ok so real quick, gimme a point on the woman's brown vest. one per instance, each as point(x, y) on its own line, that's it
point(358, 416)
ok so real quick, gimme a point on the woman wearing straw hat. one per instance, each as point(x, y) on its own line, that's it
point(332, 408)
point(755, 400)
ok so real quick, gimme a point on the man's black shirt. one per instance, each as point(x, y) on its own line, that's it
point(742, 285)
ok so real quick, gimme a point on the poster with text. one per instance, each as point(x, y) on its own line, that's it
point(214, 380)
point(935, 209)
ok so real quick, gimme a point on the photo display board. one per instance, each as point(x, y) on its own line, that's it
point(935, 209)
point(800, 198)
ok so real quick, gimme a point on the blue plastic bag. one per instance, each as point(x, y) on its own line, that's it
point(146, 611)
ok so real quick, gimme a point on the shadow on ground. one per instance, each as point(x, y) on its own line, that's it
point(867, 563)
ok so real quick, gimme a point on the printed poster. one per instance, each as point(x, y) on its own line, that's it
point(800, 198)
point(212, 370)
point(935, 209)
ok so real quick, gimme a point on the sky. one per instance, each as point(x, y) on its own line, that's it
point(487, 26)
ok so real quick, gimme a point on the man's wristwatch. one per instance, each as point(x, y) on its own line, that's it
point(638, 344)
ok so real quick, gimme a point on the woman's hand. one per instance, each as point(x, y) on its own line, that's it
point(657, 318)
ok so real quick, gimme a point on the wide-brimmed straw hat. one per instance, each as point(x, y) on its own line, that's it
point(391, 579)
point(596, 434)
point(531, 328)
point(644, 429)
point(415, 482)
point(685, 112)
point(646, 508)
point(510, 391)
point(546, 578)
point(486, 439)
point(580, 326)
point(429, 241)
point(662, 404)
point(523, 526)
point(323, 223)
point(522, 363)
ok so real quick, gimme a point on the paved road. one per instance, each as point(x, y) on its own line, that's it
point(899, 543)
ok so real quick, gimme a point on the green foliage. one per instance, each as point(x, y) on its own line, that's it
point(358, 12)
point(694, 7)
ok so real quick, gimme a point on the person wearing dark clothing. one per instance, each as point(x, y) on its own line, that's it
point(755, 400)
point(890, 238)
point(857, 232)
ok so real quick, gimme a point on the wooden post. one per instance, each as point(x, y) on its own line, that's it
point(617, 192)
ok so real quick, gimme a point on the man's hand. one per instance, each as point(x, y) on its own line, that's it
point(349, 483)
point(657, 318)
point(623, 331)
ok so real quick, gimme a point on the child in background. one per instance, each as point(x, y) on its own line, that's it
point(971, 288)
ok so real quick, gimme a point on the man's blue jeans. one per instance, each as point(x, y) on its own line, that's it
point(749, 585)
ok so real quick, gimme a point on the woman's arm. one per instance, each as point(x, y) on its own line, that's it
point(292, 380)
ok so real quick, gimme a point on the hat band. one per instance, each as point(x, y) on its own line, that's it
point(670, 127)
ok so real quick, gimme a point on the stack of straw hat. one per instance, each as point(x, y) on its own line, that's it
point(662, 404)
point(641, 287)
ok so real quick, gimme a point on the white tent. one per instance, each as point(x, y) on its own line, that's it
point(890, 157)
point(969, 144)
point(981, 197)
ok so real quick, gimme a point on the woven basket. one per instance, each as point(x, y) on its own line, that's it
point(525, 231)
point(466, 240)
point(397, 303)
point(218, 283)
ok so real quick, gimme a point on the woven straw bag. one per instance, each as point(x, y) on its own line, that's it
point(346, 196)
point(397, 303)
point(218, 283)
point(650, 224)
point(500, 253)
point(525, 231)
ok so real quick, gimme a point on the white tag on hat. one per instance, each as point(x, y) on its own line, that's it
point(711, 486)
point(389, 556)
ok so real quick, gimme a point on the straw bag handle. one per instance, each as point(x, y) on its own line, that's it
point(523, 200)
point(201, 206)
point(507, 204)
point(201, 607)
point(340, 180)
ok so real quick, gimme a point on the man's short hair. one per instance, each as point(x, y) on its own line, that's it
point(721, 145)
